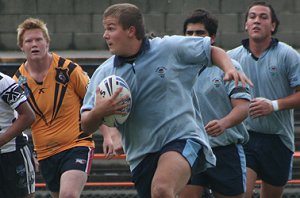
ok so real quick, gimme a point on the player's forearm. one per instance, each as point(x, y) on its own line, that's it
point(221, 59)
point(90, 122)
point(16, 129)
point(238, 113)
point(289, 102)
point(105, 131)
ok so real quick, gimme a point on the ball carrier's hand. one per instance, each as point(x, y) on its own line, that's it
point(110, 105)
point(91, 120)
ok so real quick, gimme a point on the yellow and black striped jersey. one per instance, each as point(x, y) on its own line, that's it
point(56, 102)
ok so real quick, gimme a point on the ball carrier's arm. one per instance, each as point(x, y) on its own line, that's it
point(91, 120)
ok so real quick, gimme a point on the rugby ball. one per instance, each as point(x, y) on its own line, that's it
point(107, 88)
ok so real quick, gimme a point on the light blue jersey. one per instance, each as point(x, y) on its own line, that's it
point(214, 101)
point(161, 80)
point(275, 74)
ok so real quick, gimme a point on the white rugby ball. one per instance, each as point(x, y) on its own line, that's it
point(107, 88)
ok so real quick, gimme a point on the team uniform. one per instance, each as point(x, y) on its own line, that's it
point(213, 101)
point(56, 102)
point(17, 177)
point(274, 74)
point(162, 116)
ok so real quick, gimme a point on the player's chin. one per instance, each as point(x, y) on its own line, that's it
point(111, 50)
point(115, 51)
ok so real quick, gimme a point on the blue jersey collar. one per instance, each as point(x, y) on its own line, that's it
point(273, 43)
point(245, 43)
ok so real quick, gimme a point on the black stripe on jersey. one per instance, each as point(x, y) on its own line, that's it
point(18, 74)
point(34, 105)
point(56, 109)
point(84, 136)
point(61, 63)
point(71, 67)
point(61, 98)
point(239, 90)
point(31, 100)
point(55, 99)
point(1, 77)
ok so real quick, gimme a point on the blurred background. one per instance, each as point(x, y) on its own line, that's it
point(75, 28)
point(77, 24)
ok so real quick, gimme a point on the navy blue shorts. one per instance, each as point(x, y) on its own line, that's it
point(229, 176)
point(143, 174)
point(17, 176)
point(269, 158)
point(77, 158)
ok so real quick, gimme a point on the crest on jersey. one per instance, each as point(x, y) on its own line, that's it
point(273, 70)
point(62, 76)
point(161, 71)
point(217, 82)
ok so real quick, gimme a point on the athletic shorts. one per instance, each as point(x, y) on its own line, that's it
point(77, 158)
point(143, 174)
point(17, 176)
point(229, 176)
point(269, 158)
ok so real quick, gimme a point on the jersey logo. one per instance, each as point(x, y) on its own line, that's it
point(62, 76)
point(216, 82)
point(161, 71)
point(273, 70)
point(41, 90)
point(80, 161)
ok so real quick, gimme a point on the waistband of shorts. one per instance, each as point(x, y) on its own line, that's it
point(227, 146)
point(261, 133)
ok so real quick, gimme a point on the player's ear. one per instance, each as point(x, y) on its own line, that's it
point(246, 27)
point(273, 26)
point(213, 39)
point(131, 31)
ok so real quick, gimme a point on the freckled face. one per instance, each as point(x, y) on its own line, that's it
point(34, 45)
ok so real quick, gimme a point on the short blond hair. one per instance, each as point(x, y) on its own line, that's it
point(30, 24)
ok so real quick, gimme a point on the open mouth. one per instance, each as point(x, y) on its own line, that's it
point(256, 28)
point(35, 51)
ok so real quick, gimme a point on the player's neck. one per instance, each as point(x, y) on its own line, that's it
point(38, 68)
point(258, 47)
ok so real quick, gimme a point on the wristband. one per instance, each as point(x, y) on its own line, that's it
point(275, 105)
